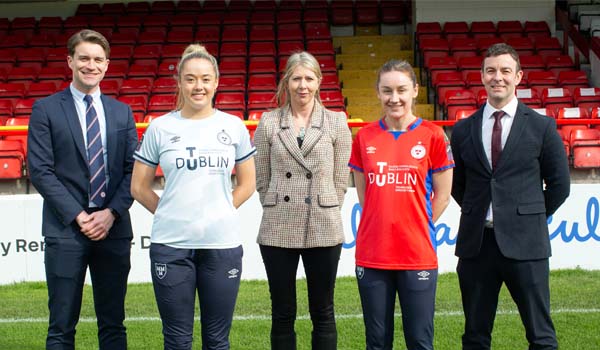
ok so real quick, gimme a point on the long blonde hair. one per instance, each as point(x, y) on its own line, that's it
point(193, 51)
point(304, 59)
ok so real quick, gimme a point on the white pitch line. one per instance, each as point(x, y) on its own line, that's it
point(301, 317)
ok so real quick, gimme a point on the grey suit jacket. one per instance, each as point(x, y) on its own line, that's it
point(529, 183)
point(57, 161)
point(302, 189)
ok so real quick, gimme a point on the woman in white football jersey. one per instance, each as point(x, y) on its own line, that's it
point(195, 241)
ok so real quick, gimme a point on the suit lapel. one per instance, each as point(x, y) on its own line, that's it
point(514, 135)
point(478, 141)
point(68, 106)
point(111, 142)
point(287, 136)
point(314, 133)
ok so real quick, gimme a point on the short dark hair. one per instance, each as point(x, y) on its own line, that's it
point(501, 49)
point(88, 36)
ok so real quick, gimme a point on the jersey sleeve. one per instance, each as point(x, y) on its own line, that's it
point(355, 162)
point(441, 152)
point(147, 150)
point(245, 148)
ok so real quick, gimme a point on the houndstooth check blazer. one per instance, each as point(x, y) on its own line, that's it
point(302, 189)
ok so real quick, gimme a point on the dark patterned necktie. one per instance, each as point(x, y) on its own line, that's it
point(497, 138)
point(95, 154)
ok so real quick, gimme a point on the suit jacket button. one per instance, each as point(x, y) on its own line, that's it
point(288, 175)
point(286, 198)
point(307, 200)
point(309, 176)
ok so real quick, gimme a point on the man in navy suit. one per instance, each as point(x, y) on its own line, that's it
point(80, 158)
point(511, 174)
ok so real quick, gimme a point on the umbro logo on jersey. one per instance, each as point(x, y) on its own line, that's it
point(423, 276)
point(371, 150)
point(175, 139)
point(233, 273)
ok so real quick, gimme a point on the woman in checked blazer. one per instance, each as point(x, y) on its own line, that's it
point(301, 168)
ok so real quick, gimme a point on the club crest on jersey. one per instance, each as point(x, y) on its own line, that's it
point(360, 272)
point(224, 138)
point(371, 150)
point(160, 270)
point(418, 151)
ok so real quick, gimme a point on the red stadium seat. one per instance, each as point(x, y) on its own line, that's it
point(287, 48)
point(559, 63)
point(549, 112)
point(572, 113)
point(154, 36)
point(585, 147)
point(234, 33)
point(138, 103)
point(454, 30)
point(111, 87)
point(317, 31)
point(256, 115)
point(41, 89)
point(548, 46)
point(262, 82)
point(529, 97)
point(457, 99)
point(509, 29)
point(164, 85)
point(483, 29)
point(232, 83)
point(162, 103)
point(12, 157)
point(14, 90)
point(264, 33)
point(136, 86)
point(556, 97)
point(208, 34)
point(233, 49)
point(536, 29)
point(261, 101)
point(233, 65)
point(262, 49)
point(330, 81)
point(289, 32)
point(428, 30)
point(230, 101)
point(263, 15)
point(586, 97)
point(573, 79)
point(261, 64)
point(463, 113)
point(523, 45)
point(332, 99)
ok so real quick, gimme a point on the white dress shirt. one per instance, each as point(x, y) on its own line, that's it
point(487, 126)
point(81, 108)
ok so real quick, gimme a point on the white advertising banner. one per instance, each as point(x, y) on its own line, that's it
point(574, 233)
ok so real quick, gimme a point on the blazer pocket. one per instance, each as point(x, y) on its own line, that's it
point(270, 199)
point(328, 200)
point(531, 208)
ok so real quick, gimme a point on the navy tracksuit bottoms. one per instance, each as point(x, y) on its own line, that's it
point(177, 274)
point(416, 291)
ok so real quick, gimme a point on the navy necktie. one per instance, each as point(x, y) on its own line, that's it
point(95, 154)
point(497, 138)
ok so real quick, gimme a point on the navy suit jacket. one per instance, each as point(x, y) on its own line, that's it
point(533, 156)
point(57, 161)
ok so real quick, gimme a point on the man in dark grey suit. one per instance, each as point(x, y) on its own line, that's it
point(80, 158)
point(511, 174)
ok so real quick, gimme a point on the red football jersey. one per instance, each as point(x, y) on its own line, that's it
point(396, 231)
